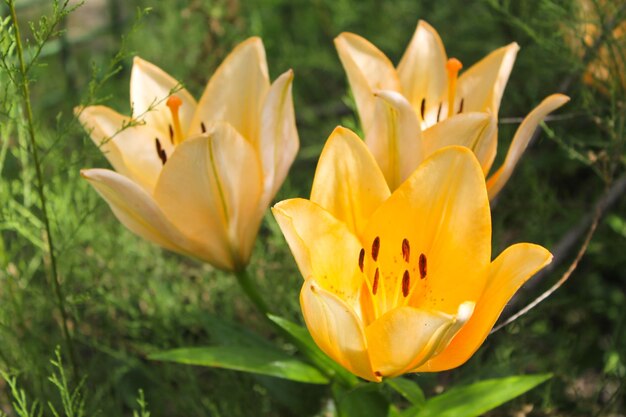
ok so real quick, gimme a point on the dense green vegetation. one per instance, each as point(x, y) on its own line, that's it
point(123, 298)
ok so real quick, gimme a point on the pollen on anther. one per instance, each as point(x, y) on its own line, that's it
point(406, 283)
point(375, 283)
point(461, 105)
point(171, 130)
point(375, 248)
point(439, 111)
point(423, 266)
point(406, 250)
point(423, 107)
point(160, 151)
point(203, 127)
point(361, 259)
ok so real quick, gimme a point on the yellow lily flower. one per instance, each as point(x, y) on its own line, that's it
point(196, 178)
point(400, 282)
point(425, 90)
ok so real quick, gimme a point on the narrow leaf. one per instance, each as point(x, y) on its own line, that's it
point(246, 359)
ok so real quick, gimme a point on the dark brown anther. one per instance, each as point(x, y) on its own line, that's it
point(375, 283)
point(171, 133)
point(439, 112)
point(361, 259)
point(406, 283)
point(375, 248)
point(160, 151)
point(422, 266)
point(378, 374)
point(406, 250)
point(423, 108)
point(461, 105)
point(203, 127)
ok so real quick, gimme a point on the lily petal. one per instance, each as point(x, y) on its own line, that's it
point(135, 208)
point(130, 149)
point(395, 139)
point(336, 329)
point(368, 69)
point(476, 131)
point(422, 69)
point(324, 247)
point(443, 212)
point(210, 189)
point(236, 91)
point(507, 273)
point(348, 182)
point(520, 141)
point(150, 87)
point(482, 85)
point(404, 336)
point(278, 142)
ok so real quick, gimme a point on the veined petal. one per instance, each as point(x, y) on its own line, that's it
point(135, 208)
point(368, 69)
point(236, 91)
point(395, 138)
point(520, 141)
point(442, 210)
point(482, 85)
point(324, 247)
point(336, 329)
point(348, 182)
point(278, 142)
point(507, 273)
point(150, 87)
point(210, 189)
point(422, 69)
point(404, 336)
point(476, 131)
point(130, 149)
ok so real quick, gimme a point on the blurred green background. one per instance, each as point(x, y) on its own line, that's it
point(127, 298)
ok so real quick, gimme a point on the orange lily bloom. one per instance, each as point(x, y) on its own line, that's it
point(400, 282)
point(426, 91)
point(196, 178)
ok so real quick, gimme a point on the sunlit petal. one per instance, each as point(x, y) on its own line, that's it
point(150, 87)
point(476, 131)
point(336, 329)
point(368, 69)
point(521, 139)
point(506, 275)
point(324, 247)
point(482, 85)
point(236, 91)
point(348, 183)
point(395, 138)
point(210, 188)
point(422, 69)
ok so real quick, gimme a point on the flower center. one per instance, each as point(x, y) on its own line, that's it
point(453, 66)
point(176, 133)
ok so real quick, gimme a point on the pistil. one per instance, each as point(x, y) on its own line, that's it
point(453, 66)
point(174, 103)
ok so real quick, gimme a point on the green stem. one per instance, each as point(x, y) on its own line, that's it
point(250, 289)
point(40, 189)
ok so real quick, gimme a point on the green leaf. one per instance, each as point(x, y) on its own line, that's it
point(408, 389)
point(365, 400)
point(305, 343)
point(475, 399)
point(258, 360)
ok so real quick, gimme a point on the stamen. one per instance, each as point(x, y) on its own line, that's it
point(375, 248)
point(375, 283)
point(439, 112)
point(203, 127)
point(160, 151)
point(406, 283)
point(422, 266)
point(361, 259)
point(378, 374)
point(423, 108)
point(461, 105)
point(453, 66)
point(174, 103)
point(406, 250)
point(171, 133)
